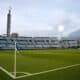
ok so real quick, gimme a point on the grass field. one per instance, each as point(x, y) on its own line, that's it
point(42, 64)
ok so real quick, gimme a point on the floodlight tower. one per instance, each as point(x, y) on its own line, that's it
point(8, 22)
point(61, 29)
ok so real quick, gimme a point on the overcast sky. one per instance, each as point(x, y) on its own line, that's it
point(40, 17)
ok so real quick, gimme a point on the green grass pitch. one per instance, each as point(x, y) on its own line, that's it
point(35, 61)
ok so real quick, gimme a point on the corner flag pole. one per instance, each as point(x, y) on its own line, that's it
point(15, 61)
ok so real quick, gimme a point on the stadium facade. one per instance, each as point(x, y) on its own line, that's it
point(7, 41)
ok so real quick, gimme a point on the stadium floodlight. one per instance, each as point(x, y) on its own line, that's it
point(61, 29)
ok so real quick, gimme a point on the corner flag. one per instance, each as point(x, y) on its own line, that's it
point(16, 48)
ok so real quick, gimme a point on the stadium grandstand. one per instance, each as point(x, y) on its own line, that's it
point(7, 41)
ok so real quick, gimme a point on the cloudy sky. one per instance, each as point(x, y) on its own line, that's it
point(40, 17)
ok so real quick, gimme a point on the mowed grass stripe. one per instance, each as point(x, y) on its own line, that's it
point(72, 73)
point(45, 72)
point(57, 75)
point(35, 61)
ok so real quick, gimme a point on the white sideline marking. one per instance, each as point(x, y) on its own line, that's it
point(8, 73)
point(43, 72)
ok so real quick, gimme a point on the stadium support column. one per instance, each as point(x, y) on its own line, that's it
point(8, 22)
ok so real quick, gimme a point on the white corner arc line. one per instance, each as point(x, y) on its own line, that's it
point(43, 72)
point(11, 75)
point(8, 73)
point(25, 73)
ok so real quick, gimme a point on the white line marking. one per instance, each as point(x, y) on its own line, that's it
point(29, 74)
point(25, 73)
point(8, 73)
point(12, 75)
point(43, 72)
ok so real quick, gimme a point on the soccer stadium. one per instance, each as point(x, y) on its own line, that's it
point(38, 58)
